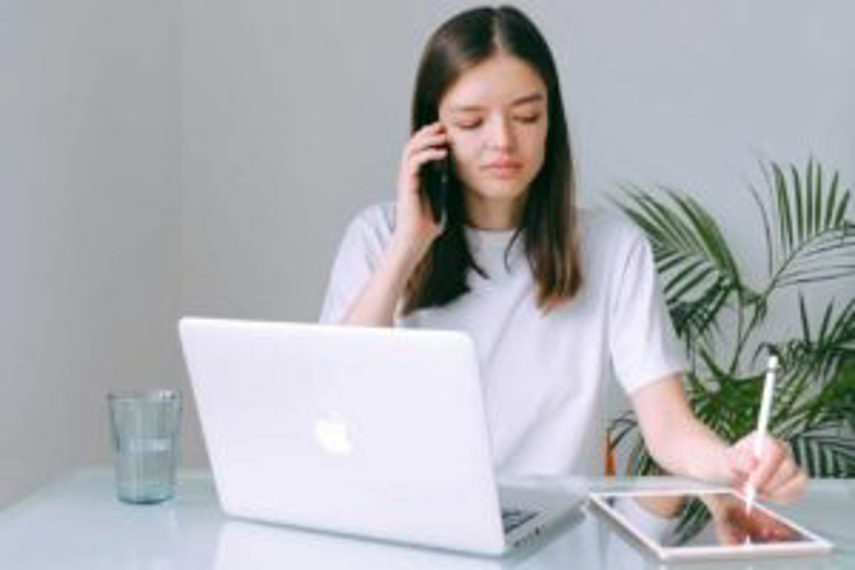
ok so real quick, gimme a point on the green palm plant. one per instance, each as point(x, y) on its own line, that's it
point(718, 315)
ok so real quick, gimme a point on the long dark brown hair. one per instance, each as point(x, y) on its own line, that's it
point(548, 224)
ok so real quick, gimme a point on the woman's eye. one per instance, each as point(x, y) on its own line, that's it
point(528, 118)
point(469, 125)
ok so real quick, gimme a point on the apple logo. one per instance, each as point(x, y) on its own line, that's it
point(332, 434)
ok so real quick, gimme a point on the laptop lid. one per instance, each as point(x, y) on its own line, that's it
point(367, 431)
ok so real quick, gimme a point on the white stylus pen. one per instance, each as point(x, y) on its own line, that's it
point(763, 421)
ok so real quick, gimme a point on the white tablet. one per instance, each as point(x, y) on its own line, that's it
point(699, 524)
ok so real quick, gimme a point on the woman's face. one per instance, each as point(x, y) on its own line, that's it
point(496, 118)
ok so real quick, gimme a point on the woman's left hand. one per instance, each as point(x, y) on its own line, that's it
point(775, 474)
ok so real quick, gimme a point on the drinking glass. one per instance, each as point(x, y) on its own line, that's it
point(145, 428)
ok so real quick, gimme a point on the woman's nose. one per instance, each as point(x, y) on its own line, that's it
point(500, 134)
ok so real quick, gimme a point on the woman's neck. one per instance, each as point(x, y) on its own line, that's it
point(485, 214)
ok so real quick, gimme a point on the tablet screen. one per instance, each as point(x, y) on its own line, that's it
point(717, 518)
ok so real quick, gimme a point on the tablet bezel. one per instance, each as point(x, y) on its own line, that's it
point(814, 545)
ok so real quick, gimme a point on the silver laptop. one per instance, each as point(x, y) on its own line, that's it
point(363, 431)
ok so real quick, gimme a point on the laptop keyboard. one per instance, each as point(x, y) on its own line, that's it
point(513, 518)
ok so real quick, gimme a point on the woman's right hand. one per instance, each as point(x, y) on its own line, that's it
point(415, 228)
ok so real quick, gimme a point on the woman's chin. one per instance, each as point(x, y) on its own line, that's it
point(503, 190)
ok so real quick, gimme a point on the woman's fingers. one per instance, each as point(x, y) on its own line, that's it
point(786, 471)
point(414, 219)
point(433, 141)
point(770, 461)
point(775, 474)
point(420, 158)
point(741, 460)
point(787, 485)
point(790, 489)
point(429, 143)
point(433, 135)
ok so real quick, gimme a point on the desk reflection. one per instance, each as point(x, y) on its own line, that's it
point(260, 546)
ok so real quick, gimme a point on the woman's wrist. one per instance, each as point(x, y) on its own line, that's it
point(379, 299)
point(709, 462)
point(406, 252)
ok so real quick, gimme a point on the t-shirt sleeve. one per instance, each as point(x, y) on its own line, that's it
point(357, 257)
point(641, 337)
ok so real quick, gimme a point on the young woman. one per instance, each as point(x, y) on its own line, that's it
point(556, 300)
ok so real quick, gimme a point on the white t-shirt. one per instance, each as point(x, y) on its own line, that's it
point(544, 376)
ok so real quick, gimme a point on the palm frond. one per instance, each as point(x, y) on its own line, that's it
point(813, 241)
point(694, 319)
point(824, 455)
point(695, 260)
point(821, 353)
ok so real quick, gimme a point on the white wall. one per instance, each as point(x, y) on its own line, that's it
point(292, 116)
point(89, 223)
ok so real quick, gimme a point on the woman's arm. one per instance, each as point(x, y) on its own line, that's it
point(683, 445)
point(677, 440)
point(378, 300)
point(412, 237)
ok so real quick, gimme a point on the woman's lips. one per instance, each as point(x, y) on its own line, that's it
point(503, 169)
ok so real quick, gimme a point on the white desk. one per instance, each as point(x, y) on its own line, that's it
point(78, 524)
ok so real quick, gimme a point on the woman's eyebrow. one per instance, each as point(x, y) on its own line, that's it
point(534, 97)
point(528, 99)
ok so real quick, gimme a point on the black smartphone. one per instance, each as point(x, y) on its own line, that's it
point(434, 185)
